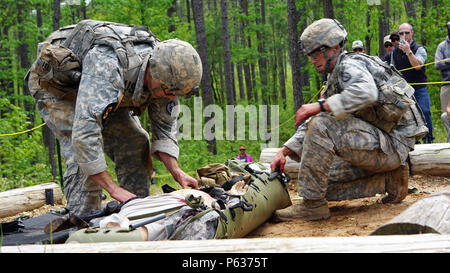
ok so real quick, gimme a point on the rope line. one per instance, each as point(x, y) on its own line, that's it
point(285, 122)
point(23, 132)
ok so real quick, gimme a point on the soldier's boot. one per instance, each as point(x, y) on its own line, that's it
point(308, 210)
point(396, 185)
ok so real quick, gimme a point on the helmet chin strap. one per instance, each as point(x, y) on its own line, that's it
point(328, 58)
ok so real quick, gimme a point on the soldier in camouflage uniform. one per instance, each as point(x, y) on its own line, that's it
point(335, 144)
point(102, 120)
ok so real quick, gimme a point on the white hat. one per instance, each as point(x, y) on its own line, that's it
point(357, 44)
point(387, 39)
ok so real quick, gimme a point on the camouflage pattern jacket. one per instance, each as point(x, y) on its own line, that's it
point(102, 90)
point(352, 86)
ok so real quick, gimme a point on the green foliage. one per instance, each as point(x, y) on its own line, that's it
point(23, 158)
point(22, 161)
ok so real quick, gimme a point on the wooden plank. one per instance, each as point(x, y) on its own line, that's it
point(374, 244)
point(430, 214)
point(28, 198)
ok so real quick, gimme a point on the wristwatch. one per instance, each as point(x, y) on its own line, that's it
point(321, 101)
point(410, 53)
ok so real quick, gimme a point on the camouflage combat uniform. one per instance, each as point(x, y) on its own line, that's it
point(85, 136)
point(336, 145)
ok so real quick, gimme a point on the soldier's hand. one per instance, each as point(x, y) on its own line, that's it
point(186, 181)
point(306, 111)
point(104, 180)
point(279, 160)
point(122, 195)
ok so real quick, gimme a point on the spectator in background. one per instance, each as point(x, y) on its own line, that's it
point(395, 38)
point(410, 54)
point(389, 47)
point(442, 53)
point(358, 46)
point(243, 155)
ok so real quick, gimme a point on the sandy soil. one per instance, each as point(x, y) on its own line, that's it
point(358, 217)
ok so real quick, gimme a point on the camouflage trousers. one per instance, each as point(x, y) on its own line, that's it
point(125, 142)
point(342, 151)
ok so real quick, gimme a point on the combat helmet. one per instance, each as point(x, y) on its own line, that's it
point(177, 65)
point(323, 33)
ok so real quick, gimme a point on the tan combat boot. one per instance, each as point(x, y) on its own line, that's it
point(396, 185)
point(308, 210)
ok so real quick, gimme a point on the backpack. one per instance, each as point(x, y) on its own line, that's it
point(59, 61)
point(395, 100)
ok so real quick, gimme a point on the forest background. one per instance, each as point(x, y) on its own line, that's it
point(249, 47)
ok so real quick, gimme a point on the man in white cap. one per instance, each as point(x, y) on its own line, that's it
point(358, 46)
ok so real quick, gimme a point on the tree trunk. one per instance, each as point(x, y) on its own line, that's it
point(237, 28)
point(262, 60)
point(227, 53)
point(170, 11)
point(188, 14)
point(367, 42)
point(197, 9)
point(246, 66)
point(328, 11)
point(294, 53)
point(383, 25)
point(56, 13)
point(410, 9)
point(281, 75)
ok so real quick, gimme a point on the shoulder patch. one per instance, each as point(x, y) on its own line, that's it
point(345, 76)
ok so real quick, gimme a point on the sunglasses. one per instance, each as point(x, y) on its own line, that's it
point(406, 32)
point(242, 149)
point(395, 39)
point(357, 50)
point(387, 45)
point(314, 56)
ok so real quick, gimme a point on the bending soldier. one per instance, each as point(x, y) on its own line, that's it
point(112, 90)
point(349, 134)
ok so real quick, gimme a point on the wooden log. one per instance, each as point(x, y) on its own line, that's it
point(28, 198)
point(365, 244)
point(431, 159)
point(431, 214)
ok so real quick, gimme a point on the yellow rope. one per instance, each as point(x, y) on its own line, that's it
point(424, 65)
point(23, 132)
point(282, 124)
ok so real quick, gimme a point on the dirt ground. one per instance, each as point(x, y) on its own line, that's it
point(358, 217)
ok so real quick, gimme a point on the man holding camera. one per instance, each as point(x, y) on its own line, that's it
point(411, 56)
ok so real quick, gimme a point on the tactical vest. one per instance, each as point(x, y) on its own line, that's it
point(401, 61)
point(395, 99)
point(60, 56)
